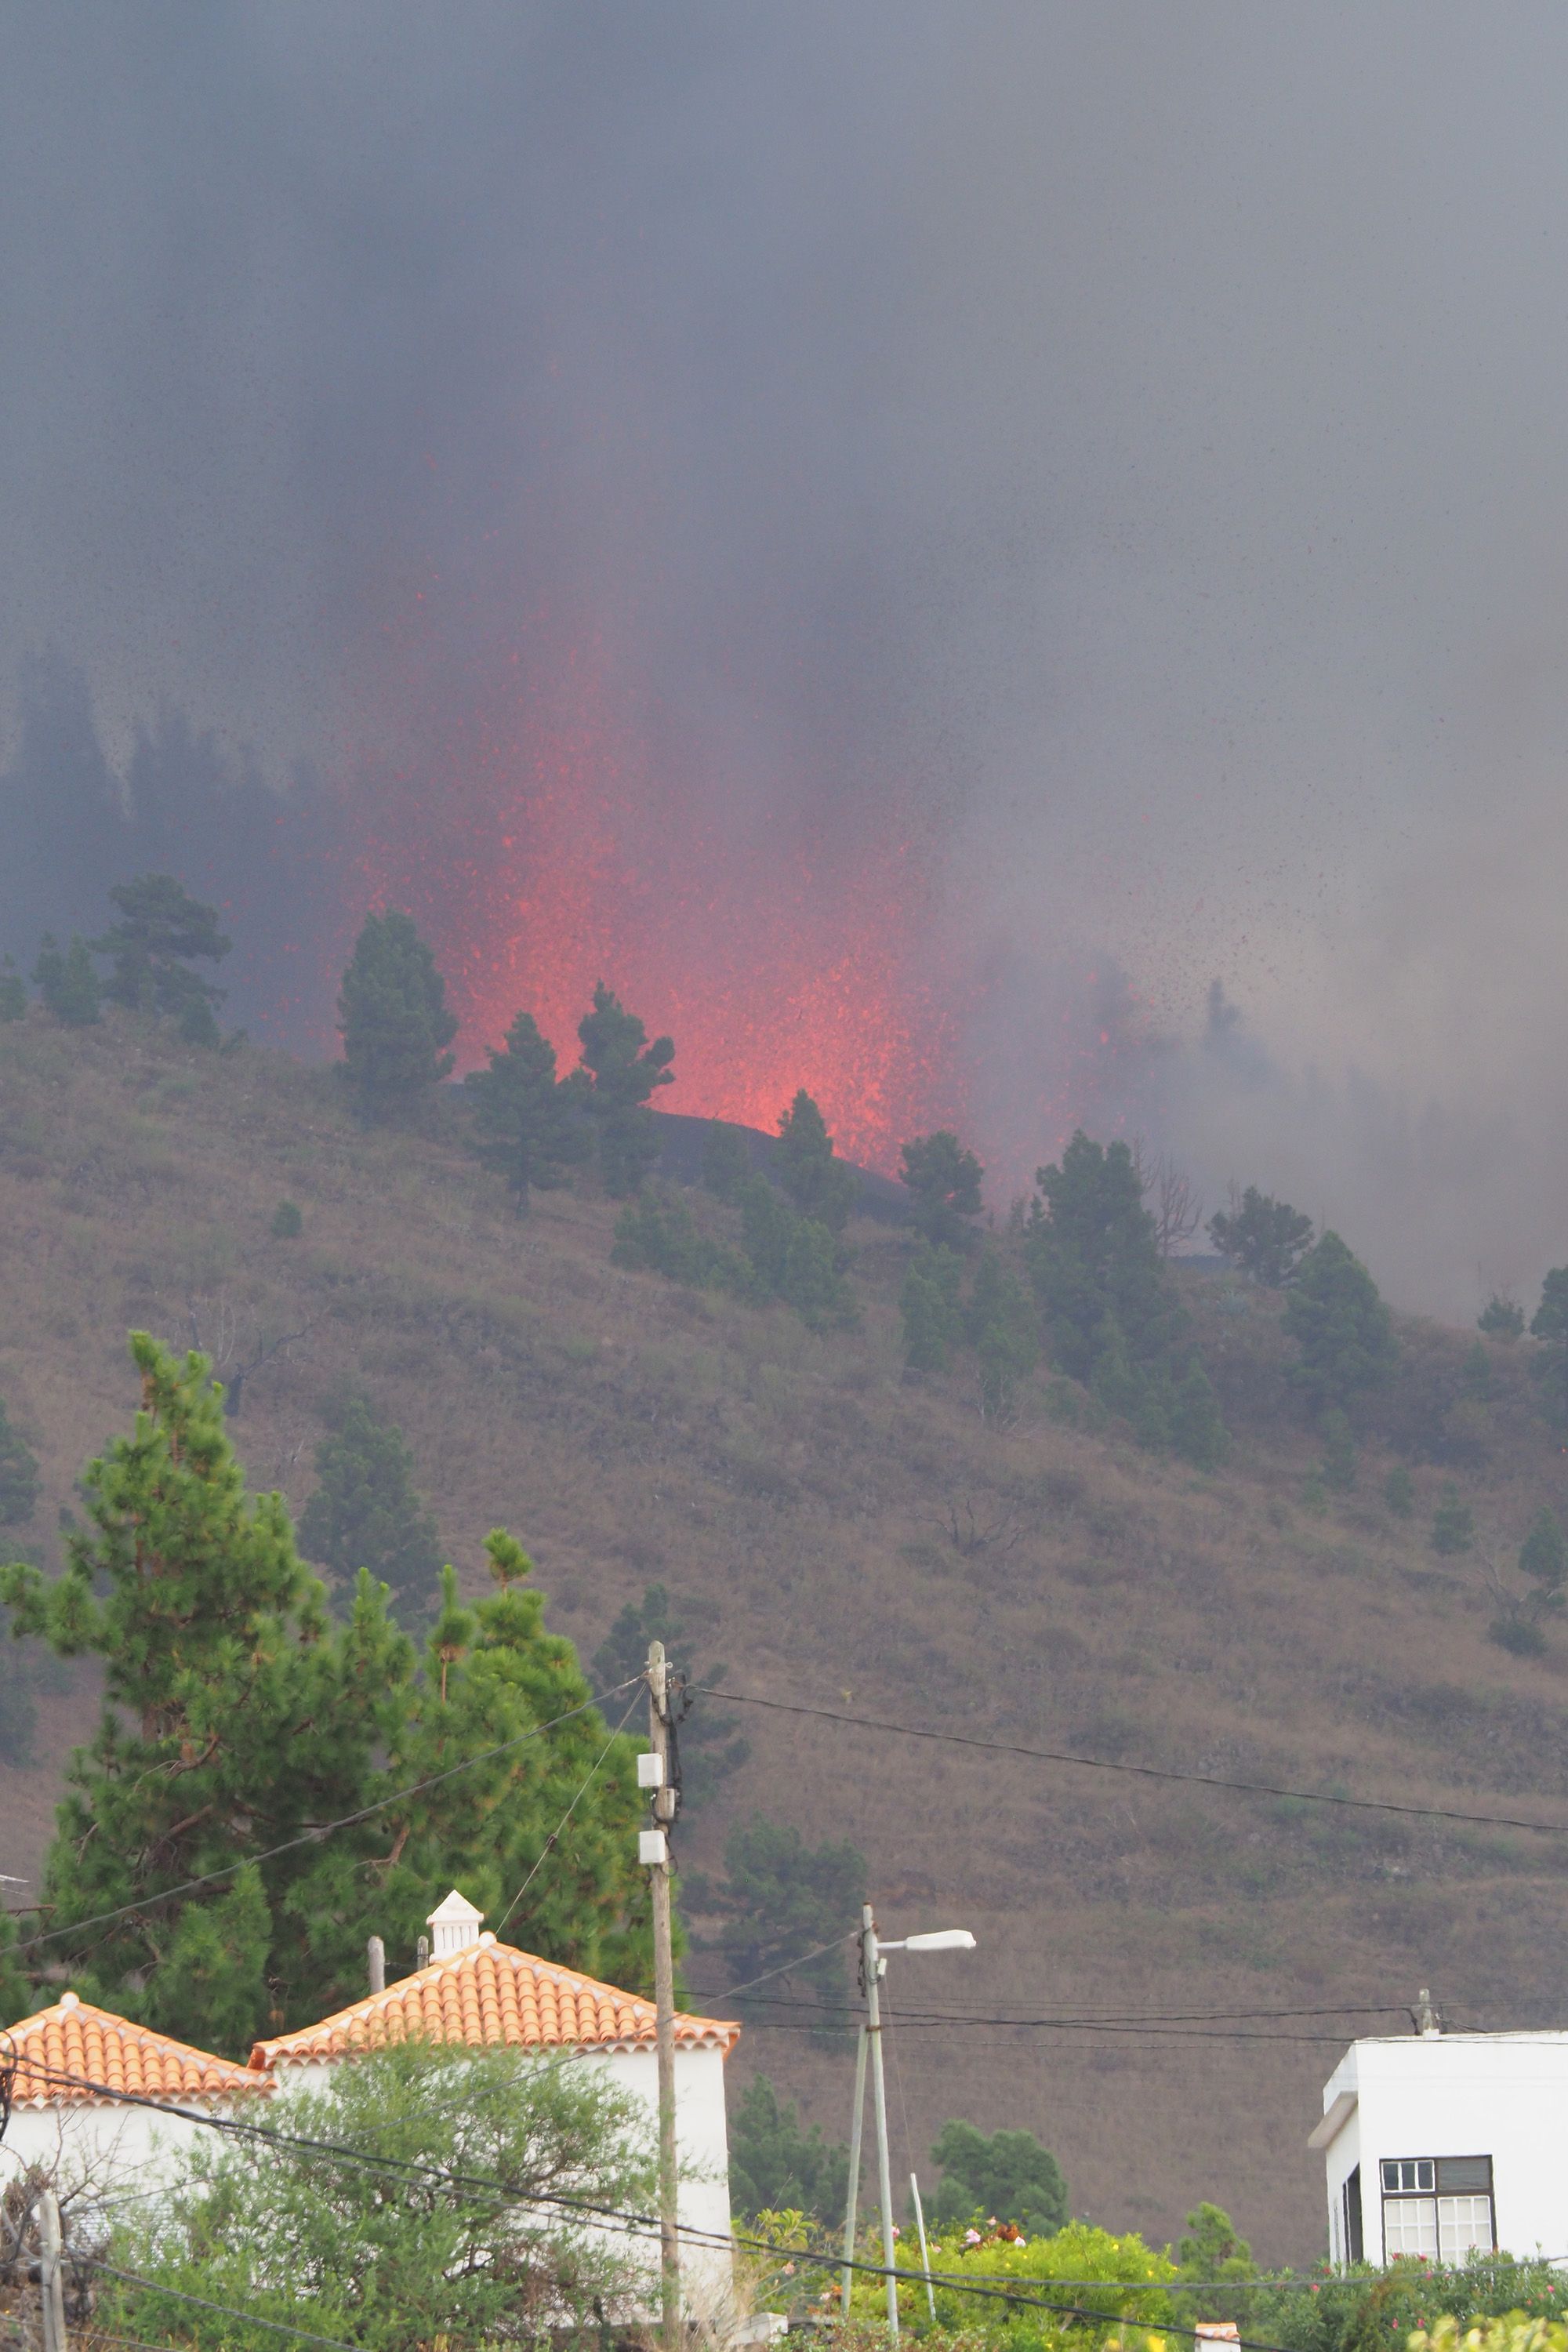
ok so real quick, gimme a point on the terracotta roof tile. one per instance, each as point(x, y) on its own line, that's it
point(491, 1993)
point(61, 2053)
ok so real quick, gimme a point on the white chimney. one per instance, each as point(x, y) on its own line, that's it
point(454, 1925)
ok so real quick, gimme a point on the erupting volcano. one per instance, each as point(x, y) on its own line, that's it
point(779, 950)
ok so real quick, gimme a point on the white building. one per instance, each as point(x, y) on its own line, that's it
point(71, 2059)
point(1438, 2143)
point(483, 1993)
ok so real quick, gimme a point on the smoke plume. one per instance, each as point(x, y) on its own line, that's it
point(911, 539)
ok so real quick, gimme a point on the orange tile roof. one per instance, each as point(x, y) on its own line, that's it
point(63, 2052)
point(490, 1994)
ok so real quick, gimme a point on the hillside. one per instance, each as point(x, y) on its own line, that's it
point(804, 1497)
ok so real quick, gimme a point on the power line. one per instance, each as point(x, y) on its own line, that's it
point(635, 2224)
point(647, 2226)
point(548, 1848)
point(731, 1992)
point(1138, 1772)
point(321, 1829)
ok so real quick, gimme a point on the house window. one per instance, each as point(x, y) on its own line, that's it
point(1351, 2206)
point(1438, 2207)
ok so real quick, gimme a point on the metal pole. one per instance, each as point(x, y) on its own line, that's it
point(879, 2091)
point(849, 2279)
point(664, 1998)
point(49, 2273)
point(925, 2250)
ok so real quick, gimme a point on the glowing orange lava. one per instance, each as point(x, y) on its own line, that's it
point(539, 853)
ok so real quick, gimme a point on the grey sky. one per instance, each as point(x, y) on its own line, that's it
point(1137, 431)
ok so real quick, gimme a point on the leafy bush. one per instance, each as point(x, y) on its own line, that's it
point(1501, 1318)
point(384, 2255)
point(288, 1221)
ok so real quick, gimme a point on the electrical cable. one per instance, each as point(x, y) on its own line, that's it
point(548, 1848)
point(647, 2226)
point(729, 1992)
point(1138, 1772)
point(321, 1829)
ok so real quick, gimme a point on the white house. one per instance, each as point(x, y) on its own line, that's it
point(1438, 2143)
point(483, 1993)
point(69, 2060)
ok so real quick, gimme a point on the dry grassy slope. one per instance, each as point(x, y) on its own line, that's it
point(796, 1487)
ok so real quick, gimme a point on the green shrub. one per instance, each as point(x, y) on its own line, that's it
point(288, 1222)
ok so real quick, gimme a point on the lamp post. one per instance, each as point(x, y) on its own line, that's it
point(872, 1967)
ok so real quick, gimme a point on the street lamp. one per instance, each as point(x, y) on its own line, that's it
point(872, 1967)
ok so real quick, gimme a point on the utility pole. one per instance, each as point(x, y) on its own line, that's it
point(654, 1850)
point(871, 1967)
point(872, 1963)
point(848, 2280)
point(50, 2280)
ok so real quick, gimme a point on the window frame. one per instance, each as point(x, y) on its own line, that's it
point(1434, 2195)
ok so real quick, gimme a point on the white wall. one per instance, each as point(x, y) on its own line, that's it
point(1499, 2095)
point(126, 2148)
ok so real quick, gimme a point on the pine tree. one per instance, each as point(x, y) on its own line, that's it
point(775, 2167)
point(13, 992)
point(619, 1074)
point(1453, 1523)
point(229, 1721)
point(523, 1124)
point(726, 1158)
point(161, 932)
point(1339, 1451)
point(1263, 1238)
point(1543, 1558)
point(789, 1257)
point(366, 1512)
point(1399, 1491)
point(1339, 1324)
point(393, 1016)
point(1197, 1428)
point(1009, 2175)
point(1000, 1324)
point(943, 1182)
point(1502, 1319)
point(68, 983)
point(239, 1720)
point(817, 1185)
point(1094, 1255)
point(1549, 1324)
point(930, 1305)
point(19, 1475)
